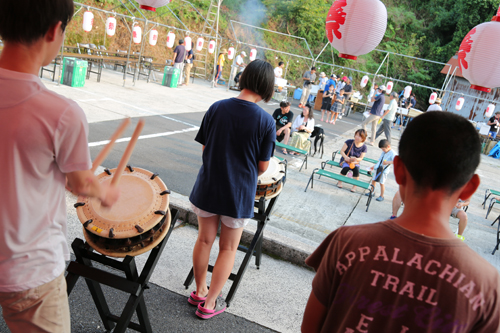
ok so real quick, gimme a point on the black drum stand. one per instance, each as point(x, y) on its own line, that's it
point(134, 284)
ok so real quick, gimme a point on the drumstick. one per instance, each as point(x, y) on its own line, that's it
point(128, 153)
point(104, 153)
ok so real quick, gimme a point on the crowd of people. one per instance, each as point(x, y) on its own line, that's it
point(406, 274)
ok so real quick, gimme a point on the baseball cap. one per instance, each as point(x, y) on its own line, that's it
point(350, 78)
point(344, 78)
point(322, 74)
point(243, 53)
point(334, 76)
point(382, 87)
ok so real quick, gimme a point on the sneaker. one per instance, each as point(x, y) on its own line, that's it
point(203, 313)
point(340, 116)
point(392, 217)
point(460, 237)
point(195, 300)
point(380, 199)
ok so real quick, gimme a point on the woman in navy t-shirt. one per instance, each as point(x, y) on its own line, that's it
point(353, 152)
point(238, 139)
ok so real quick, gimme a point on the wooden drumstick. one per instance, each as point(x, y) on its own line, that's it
point(104, 153)
point(128, 153)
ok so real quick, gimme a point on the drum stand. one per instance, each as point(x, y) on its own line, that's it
point(255, 248)
point(134, 284)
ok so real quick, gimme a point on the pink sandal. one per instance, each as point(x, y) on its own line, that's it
point(195, 299)
point(203, 313)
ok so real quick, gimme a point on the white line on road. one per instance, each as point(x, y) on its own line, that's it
point(148, 136)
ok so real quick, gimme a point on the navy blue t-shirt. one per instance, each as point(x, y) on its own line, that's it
point(378, 105)
point(237, 134)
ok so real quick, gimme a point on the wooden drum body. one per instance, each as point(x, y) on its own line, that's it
point(270, 183)
point(136, 223)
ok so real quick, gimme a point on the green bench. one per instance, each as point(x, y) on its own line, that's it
point(296, 150)
point(493, 201)
point(371, 160)
point(347, 180)
point(337, 164)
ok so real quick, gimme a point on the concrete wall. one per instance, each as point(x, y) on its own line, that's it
point(473, 109)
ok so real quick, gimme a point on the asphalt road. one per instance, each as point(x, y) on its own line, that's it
point(174, 154)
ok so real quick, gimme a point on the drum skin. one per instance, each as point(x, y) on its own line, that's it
point(135, 221)
point(270, 183)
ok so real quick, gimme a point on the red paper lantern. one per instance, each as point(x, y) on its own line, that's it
point(199, 44)
point(479, 55)
point(490, 110)
point(88, 21)
point(433, 98)
point(460, 104)
point(152, 4)
point(230, 53)
point(110, 26)
point(364, 81)
point(388, 87)
point(356, 27)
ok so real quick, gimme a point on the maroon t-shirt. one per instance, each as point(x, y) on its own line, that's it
point(383, 278)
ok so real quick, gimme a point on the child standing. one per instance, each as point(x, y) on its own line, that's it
point(337, 106)
point(327, 102)
point(382, 167)
point(238, 139)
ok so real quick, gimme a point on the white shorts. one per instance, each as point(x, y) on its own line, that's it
point(228, 221)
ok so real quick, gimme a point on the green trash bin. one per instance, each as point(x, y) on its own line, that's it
point(171, 77)
point(74, 72)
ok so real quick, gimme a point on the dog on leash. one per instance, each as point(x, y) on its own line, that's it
point(319, 135)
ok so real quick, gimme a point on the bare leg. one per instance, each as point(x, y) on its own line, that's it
point(323, 114)
point(382, 189)
point(201, 253)
point(396, 203)
point(462, 222)
point(228, 244)
point(353, 189)
point(336, 116)
point(287, 135)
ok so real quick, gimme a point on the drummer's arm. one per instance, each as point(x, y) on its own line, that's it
point(85, 183)
point(263, 165)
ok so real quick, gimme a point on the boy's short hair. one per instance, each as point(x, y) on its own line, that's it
point(440, 150)
point(258, 77)
point(384, 143)
point(281, 63)
point(26, 21)
point(284, 104)
point(362, 133)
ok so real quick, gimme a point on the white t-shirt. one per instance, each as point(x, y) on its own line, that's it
point(301, 121)
point(43, 136)
point(322, 83)
point(278, 72)
point(239, 60)
point(435, 107)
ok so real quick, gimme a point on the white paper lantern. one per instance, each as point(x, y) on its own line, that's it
point(388, 87)
point(253, 54)
point(407, 92)
point(433, 98)
point(153, 37)
point(187, 43)
point(356, 27)
point(364, 81)
point(460, 104)
point(230, 53)
point(170, 39)
point(211, 47)
point(137, 34)
point(88, 21)
point(479, 56)
point(489, 110)
point(110, 26)
point(152, 4)
point(199, 44)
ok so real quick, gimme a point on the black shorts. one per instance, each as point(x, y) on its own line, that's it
point(326, 104)
point(355, 171)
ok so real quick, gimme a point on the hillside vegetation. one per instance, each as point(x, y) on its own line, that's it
point(430, 29)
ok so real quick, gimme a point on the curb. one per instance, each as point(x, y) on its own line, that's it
point(273, 244)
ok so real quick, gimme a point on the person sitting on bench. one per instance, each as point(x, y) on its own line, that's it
point(302, 128)
point(284, 118)
point(353, 152)
point(459, 213)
